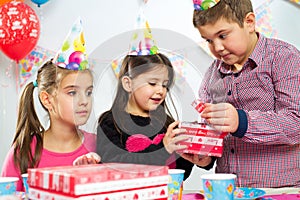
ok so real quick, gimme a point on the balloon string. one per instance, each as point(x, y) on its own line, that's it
point(8, 75)
point(17, 77)
point(41, 19)
point(4, 85)
point(4, 122)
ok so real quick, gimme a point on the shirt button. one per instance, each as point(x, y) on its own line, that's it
point(232, 151)
point(229, 93)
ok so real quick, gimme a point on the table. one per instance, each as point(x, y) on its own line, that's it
point(285, 193)
point(284, 190)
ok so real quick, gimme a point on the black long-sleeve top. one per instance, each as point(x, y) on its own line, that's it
point(112, 142)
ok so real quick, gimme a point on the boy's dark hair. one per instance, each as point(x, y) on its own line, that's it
point(230, 10)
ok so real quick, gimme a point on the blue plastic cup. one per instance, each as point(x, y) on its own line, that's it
point(175, 183)
point(8, 185)
point(219, 186)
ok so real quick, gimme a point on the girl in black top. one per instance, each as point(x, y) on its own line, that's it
point(139, 127)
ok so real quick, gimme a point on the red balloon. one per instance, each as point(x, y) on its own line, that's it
point(19, 31)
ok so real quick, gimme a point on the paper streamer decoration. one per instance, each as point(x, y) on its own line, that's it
point(296, 1)
point(116, 66)
point(180, 65)
point(29, 65)
point(178, 61)
point(264, 20)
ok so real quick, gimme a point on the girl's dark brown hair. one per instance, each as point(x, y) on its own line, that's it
point(133, 66)
point(49, 76)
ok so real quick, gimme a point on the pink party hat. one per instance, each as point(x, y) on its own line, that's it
point(142, 42)
point(204, 4)
point(72, 54)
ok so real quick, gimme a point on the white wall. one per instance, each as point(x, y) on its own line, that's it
point(106, 25)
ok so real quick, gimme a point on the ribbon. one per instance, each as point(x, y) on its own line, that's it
point(139, 142)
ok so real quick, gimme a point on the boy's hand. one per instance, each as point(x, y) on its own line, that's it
point(89, 158)
point(171, 139)
point(222, 116)
point(201, 161)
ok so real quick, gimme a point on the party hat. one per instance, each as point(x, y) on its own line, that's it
point(204, 4)
point(142, 42)
point(72, 54)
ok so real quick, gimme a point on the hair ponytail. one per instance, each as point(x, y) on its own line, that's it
point(49, 76)
point(28, 127)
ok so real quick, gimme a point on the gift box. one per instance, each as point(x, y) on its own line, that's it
point(198, 105)
point(203, 139)
point(153, 193)
point(99, 178)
